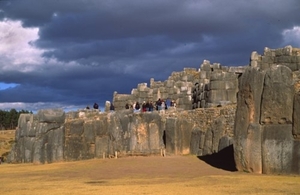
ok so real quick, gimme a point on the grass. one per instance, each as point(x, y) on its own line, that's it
point(139, 175)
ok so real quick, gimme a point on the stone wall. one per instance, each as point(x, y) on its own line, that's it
point(210, 86)
point(287, 56)
point(266, 128)
point(217, 85)
point(178, 87)
point(40, 137)
point(53, 136)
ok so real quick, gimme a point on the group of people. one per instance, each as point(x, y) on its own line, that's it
point(95, 106)
point(160, 105)
point(147, 106)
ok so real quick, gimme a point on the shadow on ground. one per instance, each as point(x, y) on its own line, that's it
point(222, 160)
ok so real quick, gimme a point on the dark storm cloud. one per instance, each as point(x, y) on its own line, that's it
point(81, 30)
point(79, 86)
point(117, 44)
point(132, 28)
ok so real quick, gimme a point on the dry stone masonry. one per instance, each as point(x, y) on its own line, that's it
point(266, 128)
point(253, 108)
point(216, 86)
point(178, 88)
point(210, 86)
point(53, 136)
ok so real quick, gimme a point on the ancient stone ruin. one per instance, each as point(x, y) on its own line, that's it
point(266, 131)
point(210, 86)
point(253, 108)
point(53, 136)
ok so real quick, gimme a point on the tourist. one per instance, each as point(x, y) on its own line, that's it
point(112, 107)
point(158, 104)
point(147, 106)
point(168, 103)
point(133, 106)
point(144, 108)
point(137, 106)
point(151, 106)
point(96, 106)
point(162, 107)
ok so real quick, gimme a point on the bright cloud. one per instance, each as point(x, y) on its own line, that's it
point(292, 36)
point(16, 52)
point(34, 107)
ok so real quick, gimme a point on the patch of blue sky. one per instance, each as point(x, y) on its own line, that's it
point(4, 86)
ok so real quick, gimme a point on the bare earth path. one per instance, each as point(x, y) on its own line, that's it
point(138, 175)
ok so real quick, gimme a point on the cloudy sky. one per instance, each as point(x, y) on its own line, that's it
point(72, 53)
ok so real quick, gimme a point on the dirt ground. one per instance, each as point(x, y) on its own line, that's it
point(139, 175)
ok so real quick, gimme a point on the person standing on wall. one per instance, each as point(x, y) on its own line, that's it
point(158, 104)
point(137, 106)
point(144, 107)
point(96, 106)
point(112, 107)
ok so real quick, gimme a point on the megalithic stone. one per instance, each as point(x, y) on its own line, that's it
point(278, 96)
point(248, 111)
point(296, 114)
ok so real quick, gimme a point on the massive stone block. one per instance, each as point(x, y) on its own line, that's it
point(195, 144)
point(225, 142)
point(248, 111)
point(75, 148)
point(39, 151)
point(171, 135)
point(247, 150)
point(74, 127)
point(89, 131)
point(103, 147)
point(266, 134)
point(296, 114)
point(57, 144)
point(278, 96)
point(277, 149)
point(217, 132)
point(51, 115)
point(249, 97)
point(217, 85)
point(231, 96)
point(208, 143)
point(295, 165)
point(41, 129)
point(215, 96)
point(39, 137)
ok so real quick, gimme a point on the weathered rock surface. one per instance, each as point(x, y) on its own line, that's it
point(90, 134)
point(40, 137)
point(266, 124)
